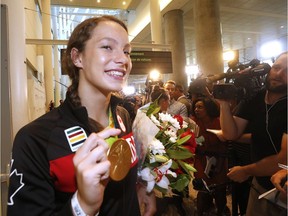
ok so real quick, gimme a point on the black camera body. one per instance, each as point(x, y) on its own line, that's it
point(225, 91)
point(241, 82)
point(242, 86)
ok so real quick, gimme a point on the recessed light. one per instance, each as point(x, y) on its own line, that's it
point(124, 3)
point(98, 1)
point(282, 27)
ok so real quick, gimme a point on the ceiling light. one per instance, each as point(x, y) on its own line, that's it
point(124, 3)
point(228, 55)
point(129, 90)
point(271, 49)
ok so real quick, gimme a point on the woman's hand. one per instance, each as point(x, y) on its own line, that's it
point(92, 170)
point(147, 202)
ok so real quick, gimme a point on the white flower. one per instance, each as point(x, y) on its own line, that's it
point(157, 176)
point(175, 123)
point(171, 133)
point(156, 147)
point(168, 118)
point(185, 124)
point(155, 120)
point(165, 117)
point(173, 139)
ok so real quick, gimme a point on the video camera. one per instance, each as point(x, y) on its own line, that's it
point(242, 81)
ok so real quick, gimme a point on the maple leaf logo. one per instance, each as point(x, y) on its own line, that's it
point(17, 178)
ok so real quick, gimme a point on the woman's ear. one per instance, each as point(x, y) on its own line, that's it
point(75, 56)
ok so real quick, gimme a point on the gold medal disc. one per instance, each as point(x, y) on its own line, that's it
point(120, 158)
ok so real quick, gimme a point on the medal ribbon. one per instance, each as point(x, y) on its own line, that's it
point(112, 139)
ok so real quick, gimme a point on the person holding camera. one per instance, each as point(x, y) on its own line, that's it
point(266, 114)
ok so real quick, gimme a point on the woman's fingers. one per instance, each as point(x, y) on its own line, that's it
point(95, 140)
point(90, 159)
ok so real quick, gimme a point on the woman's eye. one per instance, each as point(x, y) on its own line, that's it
point(127, 52)
point(107, 47)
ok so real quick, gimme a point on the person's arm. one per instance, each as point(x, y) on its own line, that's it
point(265, 167)
point(232, 127)
point(245, 138)
point(92, 170)
point(31, 189)
point(147, 202)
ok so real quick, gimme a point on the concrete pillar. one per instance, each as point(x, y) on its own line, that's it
point(47, 53)
point(209, 48)
point(156, 27)
point(174, 35)
point(16, 65)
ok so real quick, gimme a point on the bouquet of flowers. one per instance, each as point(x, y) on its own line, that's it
point(166, 146)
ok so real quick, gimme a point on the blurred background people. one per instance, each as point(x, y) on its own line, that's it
point(181, 97)
point(163, 98)
point(211, 160)
point(175, 107)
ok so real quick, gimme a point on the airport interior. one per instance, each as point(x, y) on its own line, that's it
point(182, 40)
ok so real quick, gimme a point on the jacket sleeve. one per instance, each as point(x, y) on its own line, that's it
point(31, 189)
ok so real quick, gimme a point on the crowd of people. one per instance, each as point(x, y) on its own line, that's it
point(60, 164)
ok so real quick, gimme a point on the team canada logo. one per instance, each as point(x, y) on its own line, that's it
point(18, 177)
point(76, 136)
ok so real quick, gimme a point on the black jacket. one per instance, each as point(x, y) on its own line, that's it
point(42, 179)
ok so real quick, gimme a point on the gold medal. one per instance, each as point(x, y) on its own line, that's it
point(120, 158)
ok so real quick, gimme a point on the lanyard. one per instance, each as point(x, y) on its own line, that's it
point(112, 139)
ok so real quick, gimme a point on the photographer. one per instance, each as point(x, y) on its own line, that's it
point(266, 113)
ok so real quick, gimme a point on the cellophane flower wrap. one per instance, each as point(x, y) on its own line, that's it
point(166, 146)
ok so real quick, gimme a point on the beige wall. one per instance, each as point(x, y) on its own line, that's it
point(36, 88)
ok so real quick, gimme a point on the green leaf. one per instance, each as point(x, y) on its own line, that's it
point(160, 158)
point(187, 167)
point(174, 165)
point(157, 109)
point(152, 107)
point(179, 154)
point(183, 139)
point(181, 183)
point(162, 190)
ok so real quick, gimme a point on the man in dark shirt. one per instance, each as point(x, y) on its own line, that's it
point(266, 114)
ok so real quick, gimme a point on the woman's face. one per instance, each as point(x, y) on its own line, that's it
point(200, 110)
point(105, 63)
point(164, 104)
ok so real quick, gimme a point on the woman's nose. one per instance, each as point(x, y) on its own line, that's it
point(122, 57)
